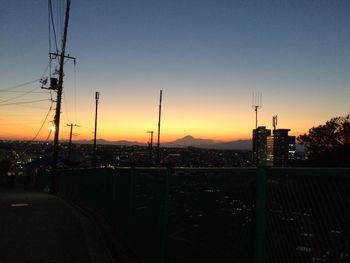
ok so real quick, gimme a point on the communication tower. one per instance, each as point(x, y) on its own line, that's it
point(256, 104)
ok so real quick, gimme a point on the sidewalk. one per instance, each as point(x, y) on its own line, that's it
point(38, 227)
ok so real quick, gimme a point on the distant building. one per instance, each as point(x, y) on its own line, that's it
point(269, 150)
point(284, 148)
point(277, 150)
point(260, 135)
point(291, 149)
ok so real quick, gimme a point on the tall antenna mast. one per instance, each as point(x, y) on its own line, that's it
point(159, 118)
point(59, 99)
point(256, 104)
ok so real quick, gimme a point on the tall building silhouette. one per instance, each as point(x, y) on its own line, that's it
point(276, 149)
point(260, 135)
point(269, 150)
point(283, 148)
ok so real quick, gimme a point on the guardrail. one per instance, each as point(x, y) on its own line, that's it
point(221, 214)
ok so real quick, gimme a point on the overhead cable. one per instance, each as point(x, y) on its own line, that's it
point(23, 102)
point(51, 21)
point(20, 85)
point(42, 125)
point(19, 96)
point(22, 91)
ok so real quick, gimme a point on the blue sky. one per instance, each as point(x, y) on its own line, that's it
point(207, 56)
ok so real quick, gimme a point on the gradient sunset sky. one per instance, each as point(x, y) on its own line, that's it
point(208, 57)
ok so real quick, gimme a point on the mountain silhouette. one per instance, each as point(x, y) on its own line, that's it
point(210, 144)
point(189, 141)
point(182, 142)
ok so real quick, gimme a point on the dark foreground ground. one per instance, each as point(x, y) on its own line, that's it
point(38, 227)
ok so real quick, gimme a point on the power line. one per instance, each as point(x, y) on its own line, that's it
point(66, 106)
point(19, 96)
point(49, 23)
point(48, 136)
point(25, 83)
point(88, 128)
point(62, 16)
point(53, 27)
point(42, 125)
point(22, 91)
point(20, 85)
point(23, 102)
point(28, 106)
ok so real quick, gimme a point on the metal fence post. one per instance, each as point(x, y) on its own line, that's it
point(164, 215)
point(114, 198)
point(260, 215)
point(131, 215)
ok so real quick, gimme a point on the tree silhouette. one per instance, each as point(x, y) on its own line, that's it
point(328, 144)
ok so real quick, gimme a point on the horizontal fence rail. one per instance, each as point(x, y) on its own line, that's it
point(220, 214)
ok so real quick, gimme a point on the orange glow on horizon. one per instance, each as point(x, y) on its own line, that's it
point(120, 119)
point(176, 123)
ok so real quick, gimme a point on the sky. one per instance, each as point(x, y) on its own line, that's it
point(208, 57)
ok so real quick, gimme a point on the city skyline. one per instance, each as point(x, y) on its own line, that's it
point(207, 57)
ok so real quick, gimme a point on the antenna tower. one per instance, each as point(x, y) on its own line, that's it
point(256, 105)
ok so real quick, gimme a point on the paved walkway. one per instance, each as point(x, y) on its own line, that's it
point(42, 228)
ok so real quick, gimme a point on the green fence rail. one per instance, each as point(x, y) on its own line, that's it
point(221, 214)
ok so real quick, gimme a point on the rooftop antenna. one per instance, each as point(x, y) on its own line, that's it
point(159, 118)
point(274, 122)
point(256, 104)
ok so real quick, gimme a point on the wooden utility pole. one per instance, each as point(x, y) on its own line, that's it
point(70, 139)
point(150, 145)
point(159, 119)
point(54, 184)
point(97, 97)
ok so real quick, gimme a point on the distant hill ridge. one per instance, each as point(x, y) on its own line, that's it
point(209, 144)
point(183, 142)
point(188, 141)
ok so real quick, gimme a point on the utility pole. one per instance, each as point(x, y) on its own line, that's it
point(150, 145)
point(159, 119)
point(97, 97)
point(70, 139)
point(54, 185)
